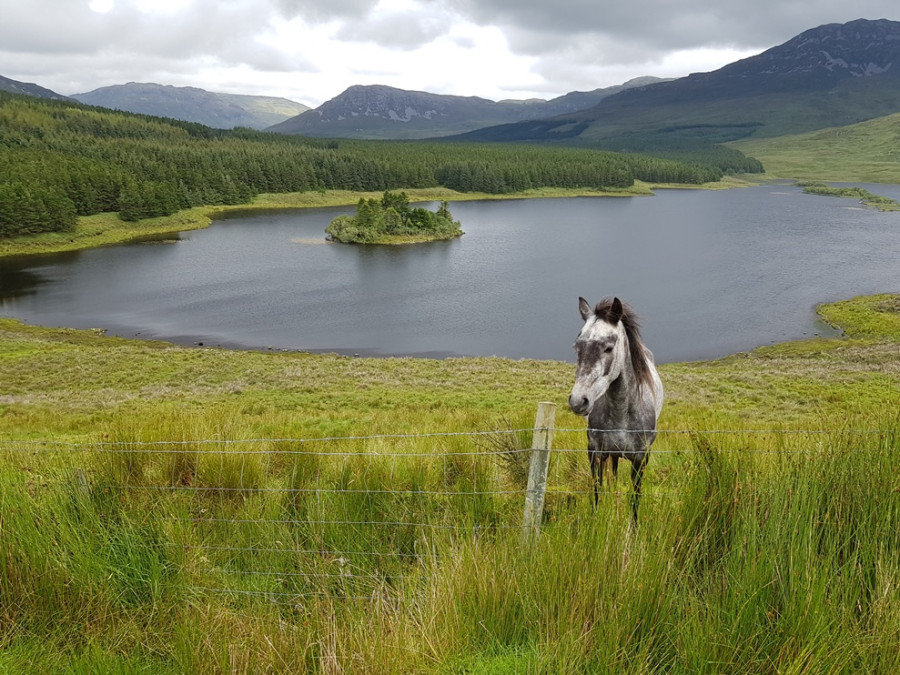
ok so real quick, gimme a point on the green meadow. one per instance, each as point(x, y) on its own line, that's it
point(167, 510)
point(864, 152)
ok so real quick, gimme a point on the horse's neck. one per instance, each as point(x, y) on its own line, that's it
point(623, 395)
point(626, 384)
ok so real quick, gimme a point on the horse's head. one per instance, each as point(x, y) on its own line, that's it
point(601, 350)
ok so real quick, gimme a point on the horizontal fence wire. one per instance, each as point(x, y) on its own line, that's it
point(289, 520)
point(197, 444)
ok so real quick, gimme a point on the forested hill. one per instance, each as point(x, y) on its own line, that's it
point(59, 160)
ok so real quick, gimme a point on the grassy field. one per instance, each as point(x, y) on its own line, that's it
point(159, 514)
point(865, 152)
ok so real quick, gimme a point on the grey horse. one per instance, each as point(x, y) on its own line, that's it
point(618, 390)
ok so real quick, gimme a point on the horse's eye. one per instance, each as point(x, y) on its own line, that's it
point(608, 350)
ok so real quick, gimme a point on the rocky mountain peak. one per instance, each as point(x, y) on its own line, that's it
point(398, 105)
point(861, 48)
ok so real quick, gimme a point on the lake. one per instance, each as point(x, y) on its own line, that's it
point(710, 273)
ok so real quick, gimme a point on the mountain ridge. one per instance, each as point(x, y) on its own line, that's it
point(381, 111)
point(29, 89)
point(831, 75)
point(193, 104)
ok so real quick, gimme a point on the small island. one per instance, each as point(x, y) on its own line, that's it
point(865, 197)
point(391, 220)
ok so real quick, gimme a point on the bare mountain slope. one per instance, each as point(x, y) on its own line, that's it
point(221, 111)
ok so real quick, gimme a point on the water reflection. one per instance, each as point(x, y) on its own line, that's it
point(23, 276)
point(17, 283)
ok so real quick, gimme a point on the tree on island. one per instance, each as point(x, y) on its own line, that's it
point(391, 219)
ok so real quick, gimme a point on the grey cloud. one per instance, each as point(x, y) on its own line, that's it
point(324, 10)
point(406, 31)
point(578, 42)
point(65, 27)
point(52, 26)
point(125, 44)
point(538, 26)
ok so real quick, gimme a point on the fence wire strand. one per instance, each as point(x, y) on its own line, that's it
point(307, 518)
point(172, 446)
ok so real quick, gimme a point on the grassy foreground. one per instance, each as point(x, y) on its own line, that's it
point(152, 521)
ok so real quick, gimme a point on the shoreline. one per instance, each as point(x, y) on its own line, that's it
point(200, 342)
point(105, 229)
point(120, 378)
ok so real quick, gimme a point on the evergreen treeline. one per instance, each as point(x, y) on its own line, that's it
point(681, 145)
point(392, 216)
point(59, 160)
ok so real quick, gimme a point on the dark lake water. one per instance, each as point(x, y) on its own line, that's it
point(711, 273)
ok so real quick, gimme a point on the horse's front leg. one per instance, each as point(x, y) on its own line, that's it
point(637, 475)
point(596, 459)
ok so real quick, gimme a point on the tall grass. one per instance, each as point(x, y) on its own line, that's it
point(755, 553)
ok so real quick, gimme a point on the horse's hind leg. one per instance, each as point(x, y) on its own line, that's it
point(637, 475)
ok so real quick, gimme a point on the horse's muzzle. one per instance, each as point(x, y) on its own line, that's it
point(580, 405)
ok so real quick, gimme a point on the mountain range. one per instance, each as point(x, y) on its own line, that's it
point(378, 111)
point(829, 76)
point(833, 75)
point(362, 111)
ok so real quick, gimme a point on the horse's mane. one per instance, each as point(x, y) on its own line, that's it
point(639, 362)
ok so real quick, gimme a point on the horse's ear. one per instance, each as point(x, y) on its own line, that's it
point(615, 311)
point(585, 308)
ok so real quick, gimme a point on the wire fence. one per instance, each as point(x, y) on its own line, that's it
point(282, 520)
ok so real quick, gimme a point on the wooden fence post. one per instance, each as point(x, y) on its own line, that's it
point(541, 443)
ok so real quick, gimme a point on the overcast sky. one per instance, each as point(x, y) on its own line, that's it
point(312, 50)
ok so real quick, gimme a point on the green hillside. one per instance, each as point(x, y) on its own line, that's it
point(864, 152)
point(685, 109)
point(830, 76)
point(682, 120)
